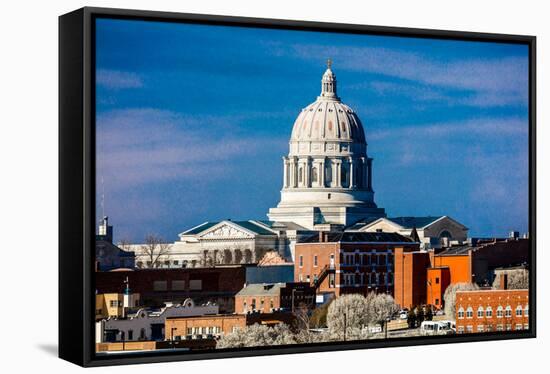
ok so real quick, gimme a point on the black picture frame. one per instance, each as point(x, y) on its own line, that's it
point(77, 187)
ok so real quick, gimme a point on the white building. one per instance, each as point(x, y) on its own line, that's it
point(327, 185)
point(327, 175)
point(431, 232)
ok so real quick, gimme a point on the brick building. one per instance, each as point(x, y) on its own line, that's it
point(410, 277)
point(422, 277)
point(492, 310)
point(212, 327)
point(217, 285)
point(349, 262)
point(267, 298)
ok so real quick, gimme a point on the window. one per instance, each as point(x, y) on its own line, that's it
point(436, 301)
point(460, 330)
point(301, 261)
point(271, 303)
point(261, 304)
point(436, 280)
point(499, 311)
point(142, 335)
point(526, 311)
point(160, 286)
point(489, 328)
point(315, 260)
point(113, 303)
point(189, 331)
point(130, 334)
point(178, 285)
point(98, 311)
point(469, 312)
point(461, 313)
point(314, 175)
point(519, 326)
point(526, 326)
point(176, 262)
point(480, 328)
point(195, 284)
point(508, 311)
point(519, 311)
point(500, 327)
point(253, 304)
point(469, 329)
point(508, 327)
point(390, 281)
point(489, 312)
point(244, 305)
point(301, 277)
point(480, 312)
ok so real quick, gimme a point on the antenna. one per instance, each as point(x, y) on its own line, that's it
point(102, 198)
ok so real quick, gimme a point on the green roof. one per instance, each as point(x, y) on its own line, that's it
point(418, 222)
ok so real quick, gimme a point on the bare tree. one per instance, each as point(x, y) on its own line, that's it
point(347, 315)
point(125, 245)
point(450, 296)
point(381, 307)
point(258, 336)
point(155, 251)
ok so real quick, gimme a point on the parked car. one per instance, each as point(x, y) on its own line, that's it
point(435, 328)
point(375, 329)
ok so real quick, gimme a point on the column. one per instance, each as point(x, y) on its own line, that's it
point(322, 173)
point(338, 172)
point(285, 172)
point(369, 180)
point(307, 165)
point(351, 184)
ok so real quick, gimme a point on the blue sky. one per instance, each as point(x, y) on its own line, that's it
point(192, 122)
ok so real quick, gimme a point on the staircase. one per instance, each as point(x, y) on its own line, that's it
point(324, 272)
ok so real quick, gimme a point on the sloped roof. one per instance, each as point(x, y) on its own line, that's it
point(270, 289)
point(351, 237)
point(249, 225)
point(418, 222)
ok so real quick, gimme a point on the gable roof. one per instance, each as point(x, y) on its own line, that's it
point(418, 222)
point(256, 228)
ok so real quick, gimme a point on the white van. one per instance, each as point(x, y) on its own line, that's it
point(435, 328)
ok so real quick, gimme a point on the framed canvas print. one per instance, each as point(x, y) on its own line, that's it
point(236, 186)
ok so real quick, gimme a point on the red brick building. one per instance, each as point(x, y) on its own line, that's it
point(492, 310)
point(349, 262)
point(267, 298)
point(422, 277)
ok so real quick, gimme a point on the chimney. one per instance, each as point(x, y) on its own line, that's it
point(321, 237)
point(503, 281)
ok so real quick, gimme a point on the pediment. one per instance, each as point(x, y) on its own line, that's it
point(226, 230)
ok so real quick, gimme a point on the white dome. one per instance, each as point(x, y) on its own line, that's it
point(327, 126)
point(328, 120)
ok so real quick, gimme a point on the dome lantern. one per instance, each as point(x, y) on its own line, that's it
point(328, 83)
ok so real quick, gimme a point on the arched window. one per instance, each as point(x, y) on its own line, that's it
point(489, 312)
point(519, 311)
point(469, 312)
point(480, 312)
point(499, 311)
point(508, 311)
point(461, 313)
point(314, 176)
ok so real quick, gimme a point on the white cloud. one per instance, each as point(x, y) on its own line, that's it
point(115, 80)
point(142, 146)
point(489, 82)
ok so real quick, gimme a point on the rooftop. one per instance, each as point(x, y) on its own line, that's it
point(353, 237)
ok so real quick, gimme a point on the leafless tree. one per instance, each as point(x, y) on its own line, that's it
point(258, 336)
point(346, 314)
point(125, 245)
point(155, 251)
point(517, 279)
point(381, 307)
point(450, 297)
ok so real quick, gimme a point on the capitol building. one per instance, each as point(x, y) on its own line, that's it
point(327, 185)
